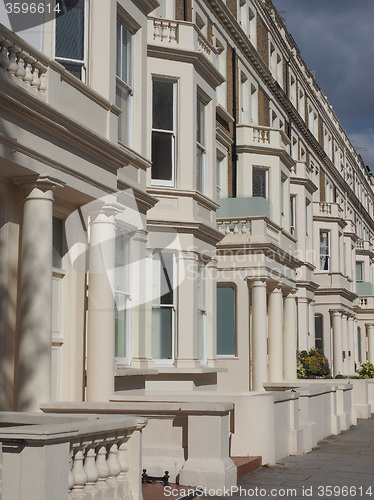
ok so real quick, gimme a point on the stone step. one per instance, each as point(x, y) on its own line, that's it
point(246, 464)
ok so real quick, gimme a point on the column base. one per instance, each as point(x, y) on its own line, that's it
point(209, 473)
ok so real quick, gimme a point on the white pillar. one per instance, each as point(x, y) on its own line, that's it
point(259, 335)
point(370, 330)
point(211, 283)
point(337, 342)
point(187, 330)
point(275, 335)
point(101, 311)
point(289, 338)
point(355, 342)
point(35, 310)
point(351, 349)
point(303, 323)
point(141, 331)
point(345, 344)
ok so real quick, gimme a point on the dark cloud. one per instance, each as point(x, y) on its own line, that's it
point(335, 38)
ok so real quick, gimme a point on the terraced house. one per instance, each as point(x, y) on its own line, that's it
point(180, 211)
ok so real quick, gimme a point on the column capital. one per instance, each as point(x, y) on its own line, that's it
point(42, 182)
point(257, 282)
point(369, 325)
point(336, 312)
point(189, 255)
point(107, 207)
point(275, 287)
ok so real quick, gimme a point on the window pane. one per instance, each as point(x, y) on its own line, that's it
point(162, 156)
point(324, 251)
point(318, 321)
point(57, 243)
point(122, 101)
point(359, 271)
point(119, 36)
point(200, 122)
point(73, 68)
point(163, 109)
point(162, 320)
point(200, 158)
point(70, 33)
point(163, 280)
point(122, 261)
point(121, 329)
point(226, 320)
point(259, 182)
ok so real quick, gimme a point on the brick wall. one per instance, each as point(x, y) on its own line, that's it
point(320, 130)
point(179, 10)
point(262, 41)
point(233, 7)
point(322, 185)
point(263, 108)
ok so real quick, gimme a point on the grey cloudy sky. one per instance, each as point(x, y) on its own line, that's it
point(336, 39)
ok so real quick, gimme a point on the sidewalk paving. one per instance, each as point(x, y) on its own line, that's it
point(339, 467)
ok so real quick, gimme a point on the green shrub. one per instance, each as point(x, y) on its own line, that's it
point(339, 375)
point(312, 364)
point(367, 371)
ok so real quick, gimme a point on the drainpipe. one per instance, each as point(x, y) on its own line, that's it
point(185, 9)
point(234, 155)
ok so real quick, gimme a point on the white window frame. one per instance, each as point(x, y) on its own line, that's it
point(167, 9)
point(362, 271)
point(201, 150)
point(82, 63)
point(128, 295)
point(172, 307)
point(173, 133)
point(266, 170)
point(126, 87)
point(293, 214)
point(328, 254)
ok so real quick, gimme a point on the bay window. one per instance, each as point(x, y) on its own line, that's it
point(200, 147)
point(70, 38)
point(122, 296)
point(124, 81)
point(324, 250)
point(163, 133)
point(163, 307)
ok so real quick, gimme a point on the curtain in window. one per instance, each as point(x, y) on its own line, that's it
point(259, 182)
point(324, 251)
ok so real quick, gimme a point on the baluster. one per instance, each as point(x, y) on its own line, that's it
point(156, 29)
point(114, 465)
point(102, 466)
point(173, 32)
point(227, 230)
point(29, 76)
point(71, 475)
point(164, 30)
point(219, 226)
point(244, 226)
point(91, 470)
point(122, 478)
point(43, 80)
point(21, 71)
point(80, 476)
point(4, 60)
point(235, 222)
point(36, 80)
point(13, 66)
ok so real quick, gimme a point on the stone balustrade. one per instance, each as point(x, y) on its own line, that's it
point(234, 227)
point(188, 439)
point(327, 209)
point(19, 61)
point(98, 457)
point(258, 136)
point(181, 35)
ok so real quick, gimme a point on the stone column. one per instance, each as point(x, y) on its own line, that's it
point(141, 266)
point(337, 342)
point(351, 349)
point(355, 341)
point(211, 283)
point(259, 335)
point(303, 323)
point(275, 335)
point(35, 309)
point(289, 337)
point(370, 330)
point(345, 344)
point(187, 329)
point(101, 310)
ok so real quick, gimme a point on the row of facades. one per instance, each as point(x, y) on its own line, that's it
point(206, 212)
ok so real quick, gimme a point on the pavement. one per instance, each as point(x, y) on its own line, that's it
point(339, 467)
